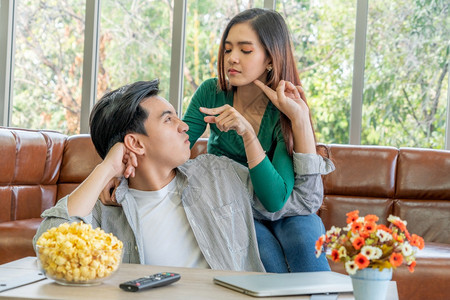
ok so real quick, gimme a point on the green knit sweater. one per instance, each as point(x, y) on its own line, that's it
point(273, 178)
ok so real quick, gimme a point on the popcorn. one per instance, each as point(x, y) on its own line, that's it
point(78, 253)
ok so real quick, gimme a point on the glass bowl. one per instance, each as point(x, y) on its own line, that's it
point(80, 267)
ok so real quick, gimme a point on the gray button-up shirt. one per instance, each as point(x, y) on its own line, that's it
point(217, 197)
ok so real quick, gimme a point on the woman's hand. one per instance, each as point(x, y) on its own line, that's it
point(291, 101)
point(288, 98)
point(228, 118)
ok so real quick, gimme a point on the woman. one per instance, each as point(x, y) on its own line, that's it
point(249, 125)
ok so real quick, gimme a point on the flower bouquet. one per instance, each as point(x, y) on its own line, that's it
point(365, 244)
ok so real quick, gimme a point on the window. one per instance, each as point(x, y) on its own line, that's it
point(406, 74)
point(48, 65)
point(135, 44)
point(323, 37)
point(402, 99)
point(206, 21)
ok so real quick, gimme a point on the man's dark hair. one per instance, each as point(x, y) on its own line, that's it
point(118, 113)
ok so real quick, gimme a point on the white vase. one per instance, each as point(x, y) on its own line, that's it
point(371, 284)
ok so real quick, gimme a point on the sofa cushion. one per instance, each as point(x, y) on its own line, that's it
point(335, 207)
point(80, 158)
point(30, 163)
point(423, 174)
point(423, 192)
point(428, 218)
point(362, 171)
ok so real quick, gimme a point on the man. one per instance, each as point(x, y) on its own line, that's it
point(173, 212)
point(194, 214)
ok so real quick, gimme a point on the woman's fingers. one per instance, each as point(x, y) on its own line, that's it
point(278, 96)
point(226, 122)
point(231, 121)
point(271, 94)
point(225, 118)
point(215, 114)
point(293, 89)
point(281, 90)
point(214, 111)
point(210, 119)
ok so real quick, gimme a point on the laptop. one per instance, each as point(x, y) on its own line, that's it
point(306, 283)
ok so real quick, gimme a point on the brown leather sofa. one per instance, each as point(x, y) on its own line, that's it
point(39, 167)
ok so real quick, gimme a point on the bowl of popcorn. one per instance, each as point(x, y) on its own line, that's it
point(77, 254)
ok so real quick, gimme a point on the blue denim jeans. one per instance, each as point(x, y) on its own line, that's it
point(288, 245)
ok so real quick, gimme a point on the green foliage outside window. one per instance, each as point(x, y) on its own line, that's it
point(406, 75)
point(48, 65)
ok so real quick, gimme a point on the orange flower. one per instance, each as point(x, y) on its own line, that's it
point(335, 255)
point(396, 259)
point(407, 235)
point(400, 225)
point(370, 227)
point(384, 228)
point(356, 226)
point(364, 234)
point(397, 237)
point(371, 218)
point(362, 243)
point(361, 261)
point(411, 266)
point(417, 241)
point(358, 243)
point(352, 216)
point(319, 243)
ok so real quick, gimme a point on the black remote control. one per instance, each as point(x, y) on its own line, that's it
point(151, 281)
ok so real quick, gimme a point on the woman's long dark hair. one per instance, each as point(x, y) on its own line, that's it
point(274, 35)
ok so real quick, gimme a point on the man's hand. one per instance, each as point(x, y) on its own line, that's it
point(118, 162)
point(108, 195)
point(123, 162)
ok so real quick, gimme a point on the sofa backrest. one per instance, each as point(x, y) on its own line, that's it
point(422, 194)
point(80, 158)
point(40, 167)
point(364, 179)
point(30, 166)
point(411, 183)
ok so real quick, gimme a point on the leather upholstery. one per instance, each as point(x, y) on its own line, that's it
point(80, 158)
point(413, 184)
point(39, 167)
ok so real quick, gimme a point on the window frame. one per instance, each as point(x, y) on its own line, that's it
point(8, 10)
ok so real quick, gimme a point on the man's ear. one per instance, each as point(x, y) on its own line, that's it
point(134, 144)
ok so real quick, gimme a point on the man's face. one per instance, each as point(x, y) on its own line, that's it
point(167, 143)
